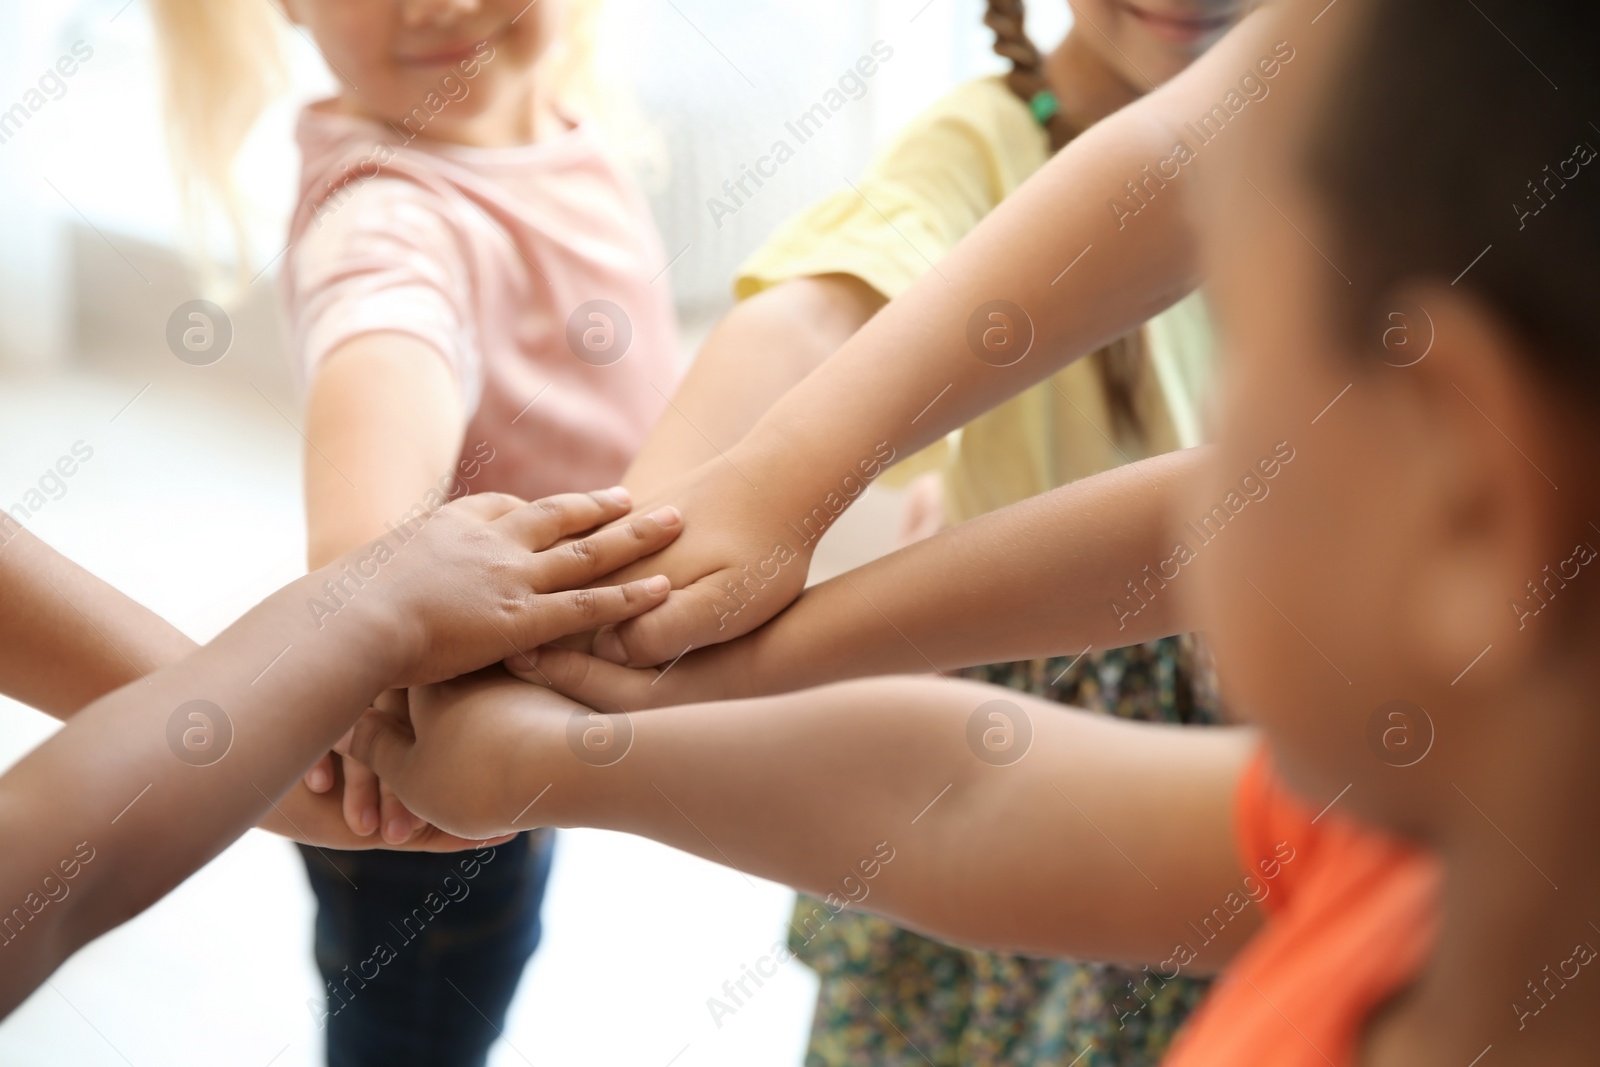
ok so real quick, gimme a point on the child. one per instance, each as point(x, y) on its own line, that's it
point(1391, 565)
point(475, 300)
point(916, 370)
point(150, 781)
point(889, 995)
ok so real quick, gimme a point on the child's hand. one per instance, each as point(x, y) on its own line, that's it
point(314, 819)
point(467, 757)
point(369, 805)
point(743, 564)
point(482, 544)
point(481, 578)
point(716, 673)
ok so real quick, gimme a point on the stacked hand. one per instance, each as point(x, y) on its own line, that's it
point(721, 672)
point(458, 751)
point(518, 586)
point(742, 566)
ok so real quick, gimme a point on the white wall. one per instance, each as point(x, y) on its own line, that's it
point(718, 79)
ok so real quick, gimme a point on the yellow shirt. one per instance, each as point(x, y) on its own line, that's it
point(933, 183)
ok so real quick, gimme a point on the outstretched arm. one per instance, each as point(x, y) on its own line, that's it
point(383, 429)
point(944, 351)
point(149, 782)
point(70, 638)
point(760, 349)
point(970, 813)
point(1047, 576)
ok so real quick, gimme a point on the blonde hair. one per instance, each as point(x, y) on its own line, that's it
point(223, 64)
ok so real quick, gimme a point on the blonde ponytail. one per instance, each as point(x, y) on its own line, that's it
point(222, 65)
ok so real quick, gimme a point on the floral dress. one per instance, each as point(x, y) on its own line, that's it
point(891, 998)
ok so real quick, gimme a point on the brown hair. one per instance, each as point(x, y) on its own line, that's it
point(1407, 203)
point(1121, 363)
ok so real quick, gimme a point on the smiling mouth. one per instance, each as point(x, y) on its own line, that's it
point(447, 55)
point(1182, 28)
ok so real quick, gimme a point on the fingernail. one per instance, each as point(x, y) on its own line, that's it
point(369, 821)
point(397, 830)
point(659, 584)
point(667, 516)
point(319, 780)
point(617, 495)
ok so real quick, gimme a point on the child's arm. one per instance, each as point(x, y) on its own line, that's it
point(69, 638)
point(1103, 840)
point(383, 427)
point(146, 784)
point(914, 371)
point(759, 350)
point(66, 637)
point(1047, 576)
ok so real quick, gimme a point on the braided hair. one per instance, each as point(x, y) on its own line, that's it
point(1120, 364)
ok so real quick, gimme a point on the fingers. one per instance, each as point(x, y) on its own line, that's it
point(579, 562)
point(382, 743)
point(361, 812)
point(432, 839)
point(395, 819)
point(560, 614)
point(319, 779)
point(592, 682)
point(490, 506)
point(544, 522)
point(705, 613)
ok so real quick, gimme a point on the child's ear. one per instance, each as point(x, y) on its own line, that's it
point(1491, 453)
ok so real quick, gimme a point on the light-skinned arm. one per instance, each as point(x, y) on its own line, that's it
point(1072, 835)
point(759, 350)
point(383, 427)
point(117, 807)
point(1047, 576)
point(911, 374)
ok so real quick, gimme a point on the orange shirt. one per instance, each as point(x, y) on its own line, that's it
point(1351, 918)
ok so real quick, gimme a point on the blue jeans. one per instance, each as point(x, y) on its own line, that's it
point(421, 952)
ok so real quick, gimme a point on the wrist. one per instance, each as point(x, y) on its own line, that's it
point(381, 634)
point(805, 500)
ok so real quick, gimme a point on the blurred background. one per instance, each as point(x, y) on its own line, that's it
point(191, 500)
